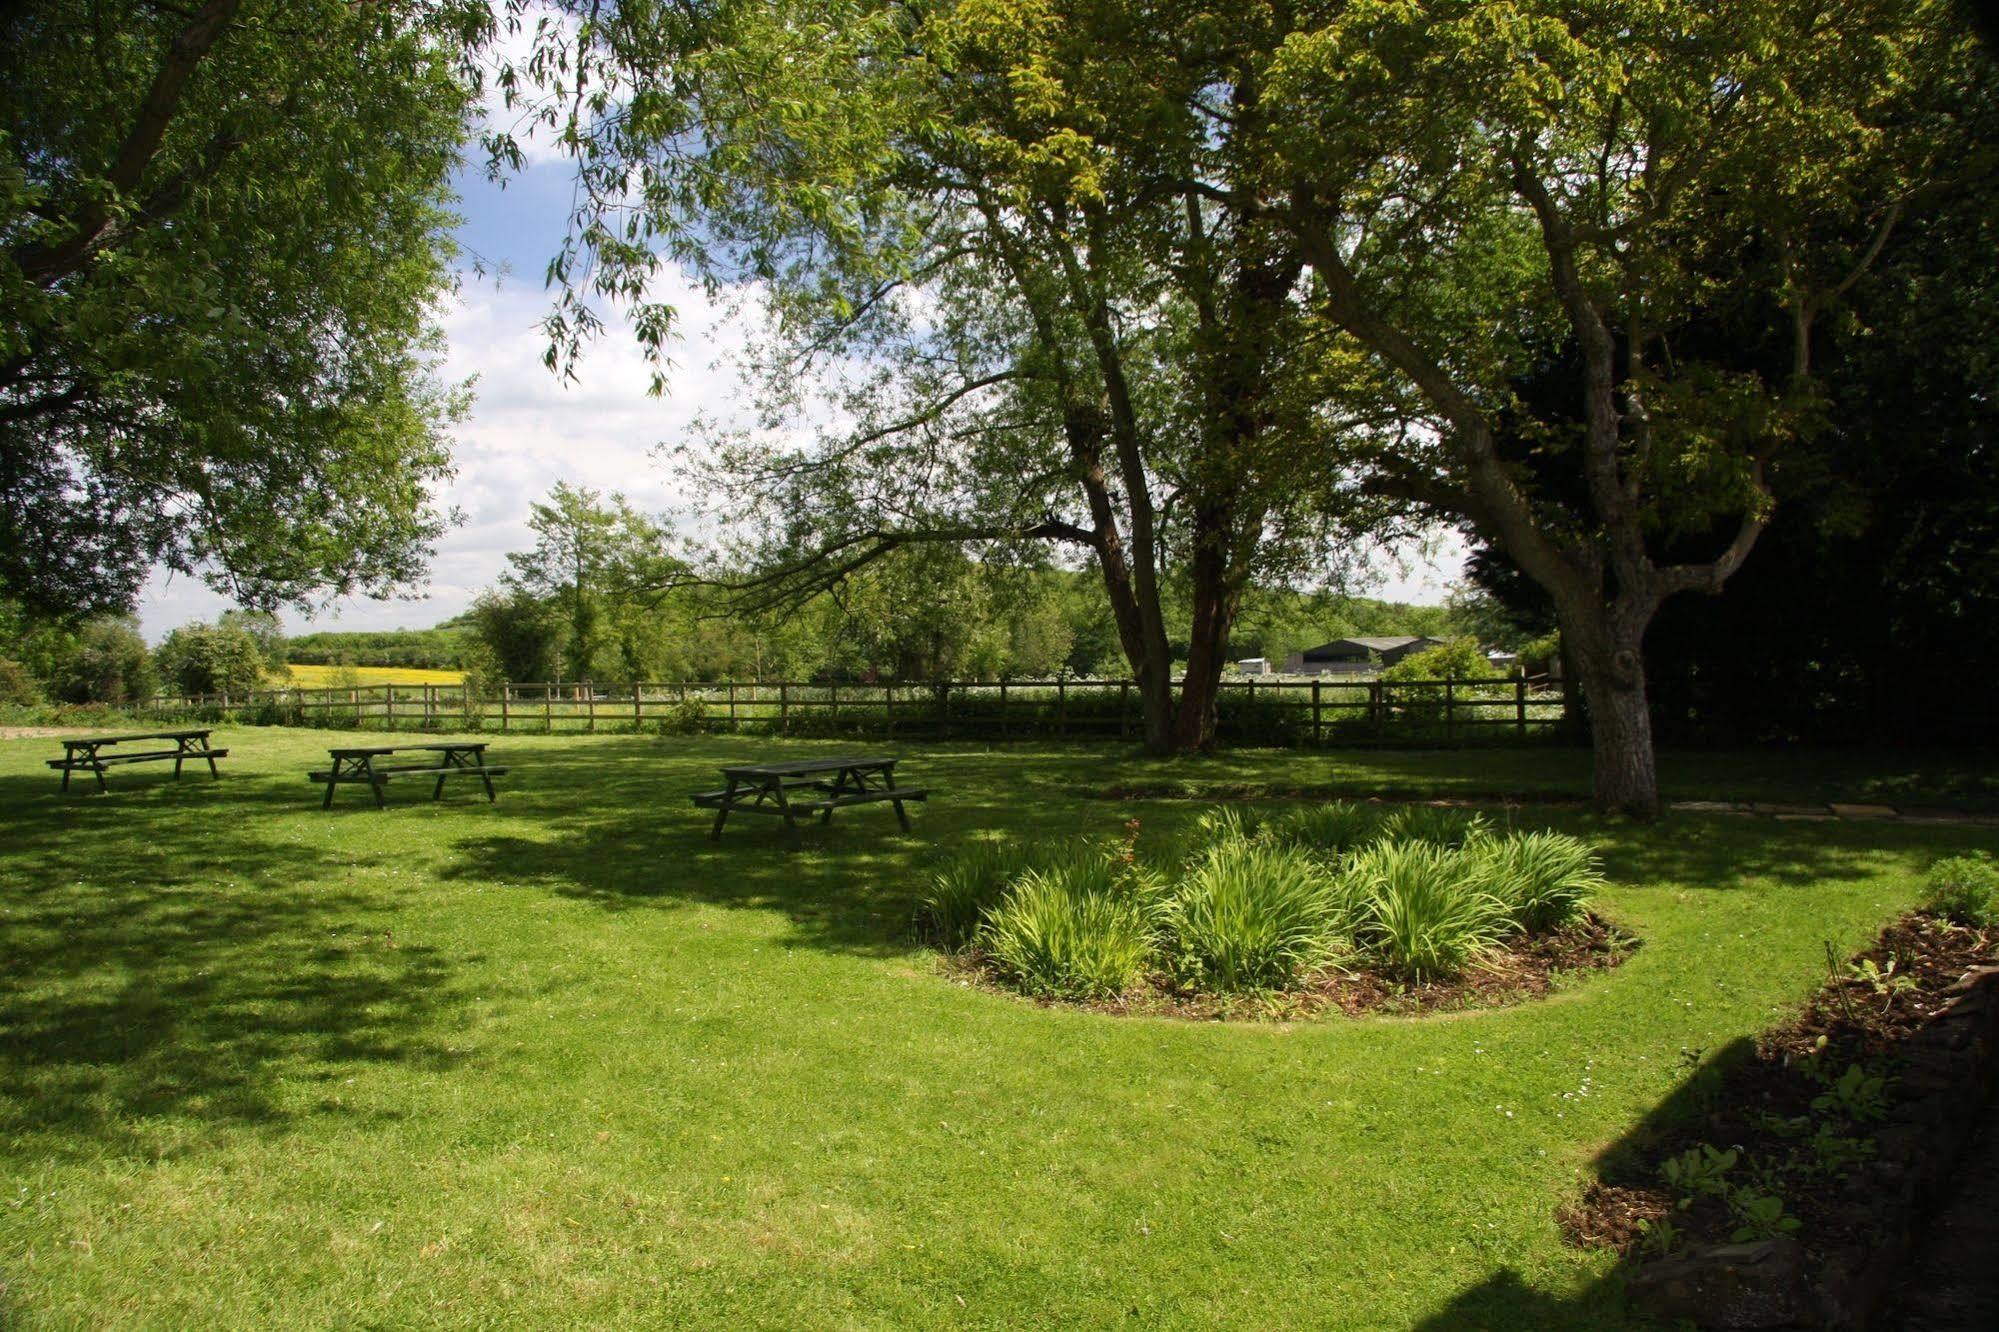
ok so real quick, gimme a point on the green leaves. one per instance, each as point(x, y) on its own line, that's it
point(219, 306)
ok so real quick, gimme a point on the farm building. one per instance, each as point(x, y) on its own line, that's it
point(1353, 656)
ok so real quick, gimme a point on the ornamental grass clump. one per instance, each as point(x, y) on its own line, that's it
point(1965, 889)
point(1082, 927)
point(1419, 910)
point(1546, 879)
point(1434, 825)
point(1251, 916)
point(970, 885)
point(1329, 831)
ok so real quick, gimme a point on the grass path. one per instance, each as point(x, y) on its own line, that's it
point(562, 1061)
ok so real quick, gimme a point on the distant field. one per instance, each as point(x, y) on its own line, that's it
point(322, 677)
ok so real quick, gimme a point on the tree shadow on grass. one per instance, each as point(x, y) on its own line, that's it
point(616, 827)
point(1729, 852)
point(158, 975)
point(1505, 1300)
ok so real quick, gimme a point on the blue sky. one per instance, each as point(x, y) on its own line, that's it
point(527, 430)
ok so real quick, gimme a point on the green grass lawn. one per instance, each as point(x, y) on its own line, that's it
point(564, 1061)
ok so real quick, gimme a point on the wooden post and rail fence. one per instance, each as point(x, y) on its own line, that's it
point(1341, 711)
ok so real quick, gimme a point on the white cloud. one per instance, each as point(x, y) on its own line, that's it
point(527, 430)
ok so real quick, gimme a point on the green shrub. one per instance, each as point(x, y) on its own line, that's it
point(1434, 824)
point(970, 885)
point(1419, 908)
point(1966, 890)
point(17, 687)
point(1545, 879)
point(1253, 916)
point(1224, 823)
point(1081, 928)
point(1459, 659)
point(1329, 830)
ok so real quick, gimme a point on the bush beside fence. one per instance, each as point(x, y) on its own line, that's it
point(1290, 713)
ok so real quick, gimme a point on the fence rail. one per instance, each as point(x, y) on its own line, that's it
point(1332, 711)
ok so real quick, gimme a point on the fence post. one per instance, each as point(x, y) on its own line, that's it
point(1062, 706)
point(1520, 705)
point(732, 705)
point(548, 708)
point(590, 708)
point(1377, 707)
point(506, 697)
point(1002, 714)
point(1124, 710)
point(1318, 721)
point(783, 707)
point(1450, 712)
point(638, 715)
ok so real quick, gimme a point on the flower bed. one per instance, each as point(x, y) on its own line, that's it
point(1332, 906)
point(1789, 1194)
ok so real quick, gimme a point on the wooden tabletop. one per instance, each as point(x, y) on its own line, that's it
point(799, 767)
point(83, 741)
point(448, 746)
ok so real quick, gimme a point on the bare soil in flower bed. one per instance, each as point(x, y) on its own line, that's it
point(1855, 1018)
point(1525, 968)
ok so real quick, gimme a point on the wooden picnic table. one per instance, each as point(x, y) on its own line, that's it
point(86, 753)
point(454, 758)
point(827, 784)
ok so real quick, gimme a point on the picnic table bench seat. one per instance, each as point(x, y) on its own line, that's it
point(464, 758)
point(87, 753)
point(826, 785)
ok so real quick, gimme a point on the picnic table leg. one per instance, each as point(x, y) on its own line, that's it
point(901, 814)
point(437, 791)
point(213, 771)
point(180, 757)
point(368, 767)
point(65, 773)
point(839, 785)
point(487, 778)
point(721, 810)
point(332, 780)
point(97, 766)
point(784, 803)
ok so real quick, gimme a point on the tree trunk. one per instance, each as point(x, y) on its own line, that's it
point(1214, 608)
point(1611, 671)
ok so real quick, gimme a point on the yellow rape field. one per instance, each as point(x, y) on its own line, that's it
point(324, 677)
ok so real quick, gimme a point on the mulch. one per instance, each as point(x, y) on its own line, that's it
point(1850, 1019)
point(1527, 967)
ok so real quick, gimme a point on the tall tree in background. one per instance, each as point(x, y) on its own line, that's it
point(591, 555)
point(1073, 333)
point(1473, 182)
point(222, 237)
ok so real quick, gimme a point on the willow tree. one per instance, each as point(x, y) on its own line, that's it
point(1019, 261)
point(1475, 185)
point(223, 233)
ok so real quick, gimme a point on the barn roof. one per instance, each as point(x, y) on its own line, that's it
point(1347, 646)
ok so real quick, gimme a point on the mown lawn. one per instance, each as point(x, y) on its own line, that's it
point(562, 1061)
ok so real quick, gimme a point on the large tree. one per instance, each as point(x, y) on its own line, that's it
point(1066, 329)
point(223, 234)
point(1474, 184)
